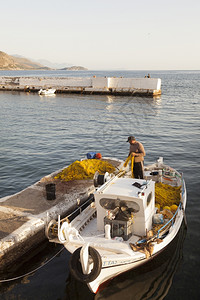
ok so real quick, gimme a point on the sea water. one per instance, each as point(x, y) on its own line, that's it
point(42, 134)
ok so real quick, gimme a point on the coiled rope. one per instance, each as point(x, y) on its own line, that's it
point(33, 271)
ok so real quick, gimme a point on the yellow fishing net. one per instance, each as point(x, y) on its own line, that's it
point(85, 169)
point(167, 195)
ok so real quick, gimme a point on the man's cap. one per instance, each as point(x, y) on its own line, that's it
point(131, 138)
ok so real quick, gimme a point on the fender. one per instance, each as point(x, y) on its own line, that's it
point(76, 268)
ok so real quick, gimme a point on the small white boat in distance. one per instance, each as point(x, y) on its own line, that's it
point(124, 227)
point(47, 92)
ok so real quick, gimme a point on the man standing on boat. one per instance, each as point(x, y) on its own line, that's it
point(137, 150)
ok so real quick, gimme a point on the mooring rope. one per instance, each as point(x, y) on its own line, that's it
point(21, 276)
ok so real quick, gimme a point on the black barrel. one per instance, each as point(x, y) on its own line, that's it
point(51, 191)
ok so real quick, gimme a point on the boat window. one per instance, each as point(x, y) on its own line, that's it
point(111, 204)
point(149, 198)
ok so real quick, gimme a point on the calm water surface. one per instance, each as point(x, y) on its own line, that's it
point(42, 134)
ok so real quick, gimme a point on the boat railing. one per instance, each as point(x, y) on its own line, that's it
point(183, 184)
point(171, 220)
point(179, 207)
point(52, 227)
point(78, 210)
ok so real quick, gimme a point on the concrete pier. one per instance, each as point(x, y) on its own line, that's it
point(84, 85)
point(24, 215)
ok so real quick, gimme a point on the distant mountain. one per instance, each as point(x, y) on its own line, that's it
point(53, 65)
point(60, 66)
point(17, 62)
point(29, 64)
point(75, 68)
point(9, 62)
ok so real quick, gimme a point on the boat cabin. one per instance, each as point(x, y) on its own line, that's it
point(127, 204)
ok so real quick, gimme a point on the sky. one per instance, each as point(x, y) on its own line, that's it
point(104, 34)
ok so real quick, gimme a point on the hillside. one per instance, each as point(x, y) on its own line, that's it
point(12, 62)
point(8, 62)
point(28, 64)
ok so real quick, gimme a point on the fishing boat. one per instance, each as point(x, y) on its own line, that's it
point(124, 226)
point(47, 92)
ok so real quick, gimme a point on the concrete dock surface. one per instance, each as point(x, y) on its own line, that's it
point(23, 216)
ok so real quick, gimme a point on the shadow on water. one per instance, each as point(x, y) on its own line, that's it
point(44, 275)
point(150, 281)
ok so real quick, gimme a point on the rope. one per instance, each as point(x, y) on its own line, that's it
point(130, 157)
point(18, 277)
point(127, 161)
point(132, 165)
point(76, 210)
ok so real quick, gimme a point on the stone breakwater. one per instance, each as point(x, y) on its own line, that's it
point(85, 85)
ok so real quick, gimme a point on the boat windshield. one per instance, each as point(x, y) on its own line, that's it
point(111, 204)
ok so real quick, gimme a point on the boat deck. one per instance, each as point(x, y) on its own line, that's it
point(91, 231)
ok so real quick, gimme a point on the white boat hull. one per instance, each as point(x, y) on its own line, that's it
point(47, 92)
point(117, 255)
point(114, 265)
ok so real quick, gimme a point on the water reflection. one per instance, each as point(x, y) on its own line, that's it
point(151, 281)
point(110, 101)
point(48, 96)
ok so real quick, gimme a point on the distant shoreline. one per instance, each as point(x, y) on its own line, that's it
point(19, 63)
